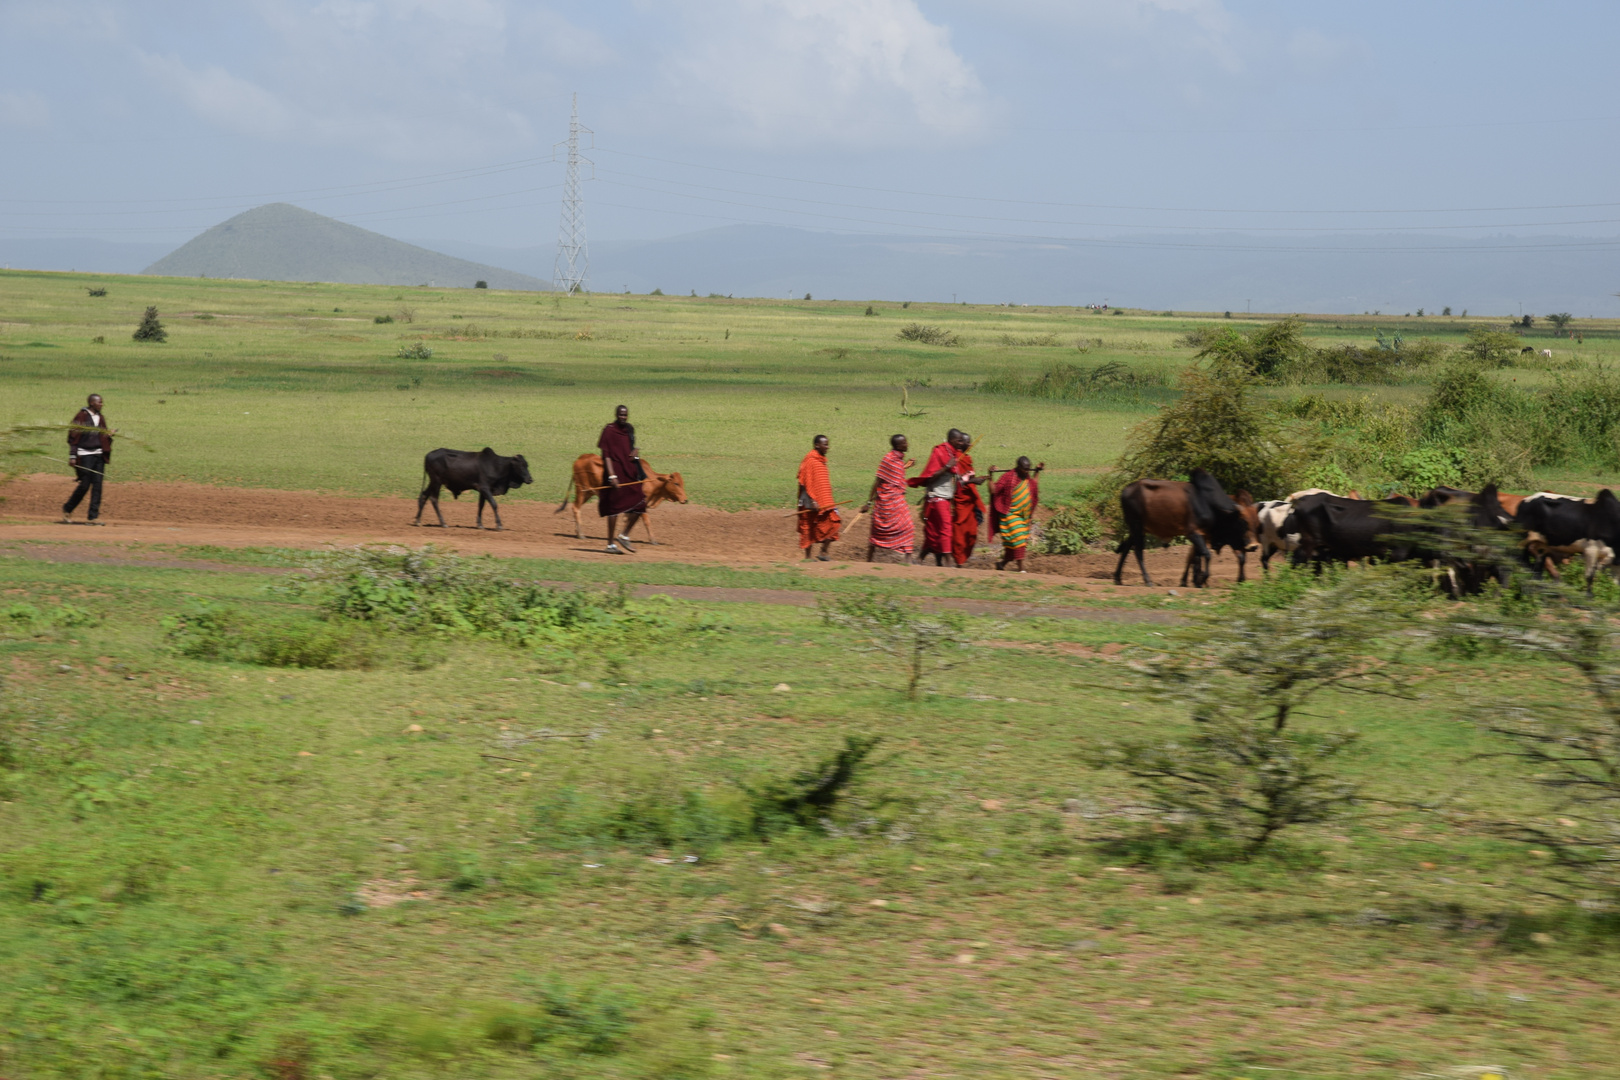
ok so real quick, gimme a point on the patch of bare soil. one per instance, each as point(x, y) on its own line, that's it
point(197, 514)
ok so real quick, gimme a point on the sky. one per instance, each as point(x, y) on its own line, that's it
point(1015, 118)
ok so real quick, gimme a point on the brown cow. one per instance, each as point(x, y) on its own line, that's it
point(588, 480)
point(1198, 509)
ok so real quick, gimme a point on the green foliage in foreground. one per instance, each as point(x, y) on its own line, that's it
point(1249, 767)
point(210, 868)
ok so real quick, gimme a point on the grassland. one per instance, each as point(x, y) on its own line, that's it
point(219, 869)
point(208, 869)
point(295, 386)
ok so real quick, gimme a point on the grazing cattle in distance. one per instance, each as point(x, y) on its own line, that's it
point(483, 471)
point(1198, 509)
point(1561, 525)
point(1527, 350)
point(1547, 353)
point(588, 479)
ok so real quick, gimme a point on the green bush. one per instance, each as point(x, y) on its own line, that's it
point(928, 335)
point(431, 592)
point(416, 351)
point(226, 633)
point(1071, 530)
point(1063, 381)
point(382, 319)
point(1217, 424)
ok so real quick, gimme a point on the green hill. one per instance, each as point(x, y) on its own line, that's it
point(282, 242)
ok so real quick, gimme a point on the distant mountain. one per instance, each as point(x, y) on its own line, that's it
point(282, 242)
point(1397, 273)
point(73, 253)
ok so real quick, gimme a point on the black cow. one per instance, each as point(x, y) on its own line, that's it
point(1332, 528)
point(1561, 526)
point(483, 471)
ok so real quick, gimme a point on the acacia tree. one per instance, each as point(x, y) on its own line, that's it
point(1567, 742)
point(1253, 762)
point(1561, 320)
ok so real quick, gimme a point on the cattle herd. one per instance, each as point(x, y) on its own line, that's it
point(1443, 529)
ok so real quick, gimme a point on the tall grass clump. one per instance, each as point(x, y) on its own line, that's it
point(430, 592)
point(226, 633)
point(928, 335)
point(1064, 381)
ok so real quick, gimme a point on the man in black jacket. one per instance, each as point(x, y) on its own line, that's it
point(89, 450)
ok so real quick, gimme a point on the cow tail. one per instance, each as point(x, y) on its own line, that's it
point(568, 495)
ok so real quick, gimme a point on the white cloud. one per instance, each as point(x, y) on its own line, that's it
point(23, 109)
point(222, 98)
point(823, 71)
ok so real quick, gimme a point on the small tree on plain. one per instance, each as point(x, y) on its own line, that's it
point(1253, 763)
point(1561, 320)
point(1566, 742)
point(150, 329)
point(918, 640)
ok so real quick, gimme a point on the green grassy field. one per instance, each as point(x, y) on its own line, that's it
point(294, 386)
point(224, 869)
point(214, 869)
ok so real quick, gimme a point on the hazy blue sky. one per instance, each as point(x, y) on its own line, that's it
point(436, 118)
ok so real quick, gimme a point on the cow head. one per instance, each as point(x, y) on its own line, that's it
point(517, 471)
point(1250, 512)
point(670, 488)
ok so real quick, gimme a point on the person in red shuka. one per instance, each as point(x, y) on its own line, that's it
point(967, 507)
point(952, 508)
point(622, 475)
point(819, 523)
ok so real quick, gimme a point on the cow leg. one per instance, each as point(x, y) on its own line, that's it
point(579, 528)
point(1242, 558)
point(431, 492)
point(1136, 541)
point(646, 524)
point(1198, 562)
point(483, 498)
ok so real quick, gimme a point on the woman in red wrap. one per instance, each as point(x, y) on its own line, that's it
point(947, 475)
point(892, 527)
point(622, 476)
point(818, 521)
point(967, 506)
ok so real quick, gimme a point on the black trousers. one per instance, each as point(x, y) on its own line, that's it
point(91, 470)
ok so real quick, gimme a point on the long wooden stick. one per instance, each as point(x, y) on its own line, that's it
point(819, 509)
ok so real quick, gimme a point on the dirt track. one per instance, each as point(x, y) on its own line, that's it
point(196, 514)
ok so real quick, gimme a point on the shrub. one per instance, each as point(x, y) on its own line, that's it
point(1247, 769)
point(808, 798)
point(480, 284)
point(1070, 530)
point(1566, 742)
point(379, 319)
point(869, 310)
point(1216, 425)
point(656, 292)
point(151, 329)
point(226, 633)
point(1491, 348)
point(927, 335)
point(1063, 381)
point(890, 626)
point(431, 592)
point(415, 351)
point(100, 290)
point(1037, 340)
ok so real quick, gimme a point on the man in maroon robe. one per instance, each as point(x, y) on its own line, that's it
point(622, 476)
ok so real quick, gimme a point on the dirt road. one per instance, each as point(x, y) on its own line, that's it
point(201, 514)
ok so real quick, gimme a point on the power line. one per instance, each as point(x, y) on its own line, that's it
point(1095, 206)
